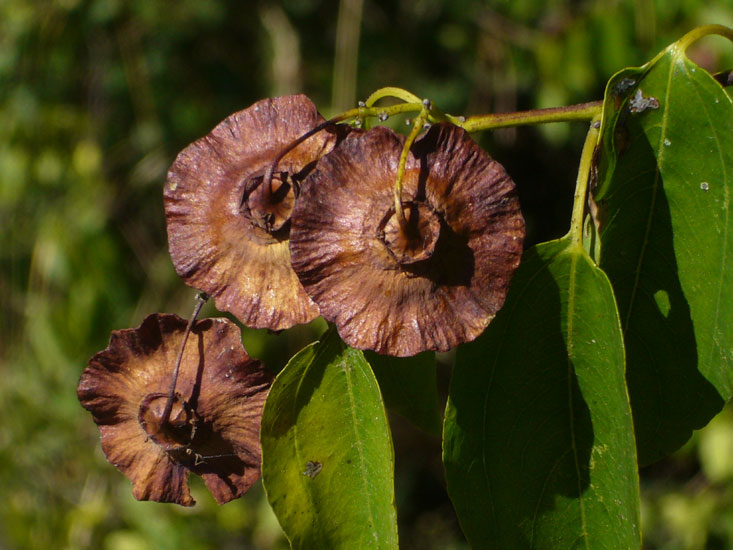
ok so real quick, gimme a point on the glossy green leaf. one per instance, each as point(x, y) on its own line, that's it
point(409, 387)
point(538, 442)
point(327, 458)
point(666, 170)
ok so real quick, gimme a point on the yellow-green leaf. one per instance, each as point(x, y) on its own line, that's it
point(327, 459)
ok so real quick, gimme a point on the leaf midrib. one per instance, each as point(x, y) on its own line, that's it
point(574, 256)
point(574, 250)
point(359, 444)
point(309, 489)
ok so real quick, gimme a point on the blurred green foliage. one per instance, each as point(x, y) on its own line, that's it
point(96, 98)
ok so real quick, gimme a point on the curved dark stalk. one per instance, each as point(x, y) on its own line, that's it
point(267, 177)
point(201, 299)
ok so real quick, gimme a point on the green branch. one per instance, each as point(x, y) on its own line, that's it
point(570, 113)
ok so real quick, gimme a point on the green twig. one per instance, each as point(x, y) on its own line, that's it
point(581, 111)
point(430, 113)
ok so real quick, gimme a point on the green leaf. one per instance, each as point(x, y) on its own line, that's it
point(409, 387)
point(538, 442)
point(665, 226)
point(327, 458)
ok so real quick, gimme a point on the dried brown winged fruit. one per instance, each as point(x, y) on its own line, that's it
point(429, 284)
point(227, 228)
point(213, 428)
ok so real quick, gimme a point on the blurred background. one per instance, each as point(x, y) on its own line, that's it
point(96, 99)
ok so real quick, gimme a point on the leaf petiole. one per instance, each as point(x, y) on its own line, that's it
point(201, 299)
point(581, 185)
point(417, 126)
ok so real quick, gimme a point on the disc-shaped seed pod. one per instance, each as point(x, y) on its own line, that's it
point(214, 423)
point(228, 219)
point(428, 282)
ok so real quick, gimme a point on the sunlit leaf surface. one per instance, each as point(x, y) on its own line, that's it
point(666, 170)
point(327, 451)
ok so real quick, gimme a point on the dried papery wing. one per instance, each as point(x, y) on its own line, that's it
point(227, 228)
point(213, 428)
point(396, 288)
